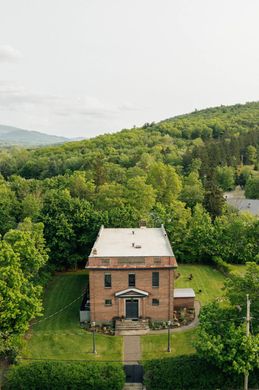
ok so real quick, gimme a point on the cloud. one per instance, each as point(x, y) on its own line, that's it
point(9, 54)
point(14, 97)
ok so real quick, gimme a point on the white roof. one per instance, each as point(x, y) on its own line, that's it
point(184, 293)
point(113, 242)
point(251, 205)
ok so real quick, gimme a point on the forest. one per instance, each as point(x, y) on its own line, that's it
point(53, 200)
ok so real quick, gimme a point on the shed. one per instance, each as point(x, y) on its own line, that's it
point(184, 297)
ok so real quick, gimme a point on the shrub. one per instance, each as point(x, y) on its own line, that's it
point(64, 375)
point(221, 265)
point(191, 372)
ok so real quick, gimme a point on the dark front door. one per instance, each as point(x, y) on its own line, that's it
point(131, 308)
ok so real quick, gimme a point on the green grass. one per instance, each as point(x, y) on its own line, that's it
point(205, 278)
point(61, 337)
point(155, 346)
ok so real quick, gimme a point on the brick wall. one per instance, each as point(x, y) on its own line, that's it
point(183, 302)
point(98, 293)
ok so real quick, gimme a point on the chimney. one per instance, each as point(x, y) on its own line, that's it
point(142, 223)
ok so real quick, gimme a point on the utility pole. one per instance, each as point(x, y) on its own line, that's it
point(169, 337)
point(247, 334)
point(94, 343)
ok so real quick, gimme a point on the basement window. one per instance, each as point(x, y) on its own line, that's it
point(155, 302)
point(107, 280)
point(108, 302)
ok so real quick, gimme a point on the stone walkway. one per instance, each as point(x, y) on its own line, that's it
point(132, 350)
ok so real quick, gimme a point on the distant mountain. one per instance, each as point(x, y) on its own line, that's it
point(14, 136)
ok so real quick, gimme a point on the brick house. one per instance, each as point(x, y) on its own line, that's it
point(131, 274)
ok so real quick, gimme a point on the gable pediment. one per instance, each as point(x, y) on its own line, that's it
point(131, 292)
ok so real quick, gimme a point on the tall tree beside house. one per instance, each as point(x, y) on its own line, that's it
point(20, 298)
point(221, 340)
point(70, 227)
point(238, 286)
point(28, 241)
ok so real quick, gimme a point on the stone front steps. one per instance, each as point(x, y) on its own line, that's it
point(130, 327)
point(133, 386)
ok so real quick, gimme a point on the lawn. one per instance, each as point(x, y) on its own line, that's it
point(205, 278)
point(155, 346)
point(61, 337)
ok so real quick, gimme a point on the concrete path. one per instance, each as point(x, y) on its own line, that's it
point(192, 325)
point(132, 350)
point(133, 386)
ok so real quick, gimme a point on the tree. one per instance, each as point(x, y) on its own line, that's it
point(235, 237)
point(252, 188)
point(8, 208)
point(81, 188)
point(140, 196)
point(31, 206)
point(221, 340)
point(19, 297)
point(70, 227)
point(197, 242)
point(237, 286)
point(251, 154)
point(165, 181)
point(225, 177)
point(213, 200)
point(109, 195)
point(29, 243)
point(192, 191)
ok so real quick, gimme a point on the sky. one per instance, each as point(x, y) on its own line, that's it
point(79, 68)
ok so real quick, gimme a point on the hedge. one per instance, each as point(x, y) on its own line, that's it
point(191, 372)
point(64, 375)
point(221, 265)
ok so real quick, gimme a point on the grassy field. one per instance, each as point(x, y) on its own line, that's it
point(205, 278)
point(155, 346)
point(60, 337)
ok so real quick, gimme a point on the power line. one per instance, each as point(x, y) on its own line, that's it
point(58, 311)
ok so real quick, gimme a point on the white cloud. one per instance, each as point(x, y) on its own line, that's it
point(15, 97)
point(9, 54)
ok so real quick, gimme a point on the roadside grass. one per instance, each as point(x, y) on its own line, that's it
point(205, 278)
point(155, 346)
point(60, 337)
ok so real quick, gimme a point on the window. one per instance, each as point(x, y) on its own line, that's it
point(107, 280)
point(155, 302)
point(132, 280)
point(155, 279)
point(108, 302)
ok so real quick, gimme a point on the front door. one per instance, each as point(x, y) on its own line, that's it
point(131, 308)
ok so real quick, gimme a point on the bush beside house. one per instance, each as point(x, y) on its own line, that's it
point(65, 375)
